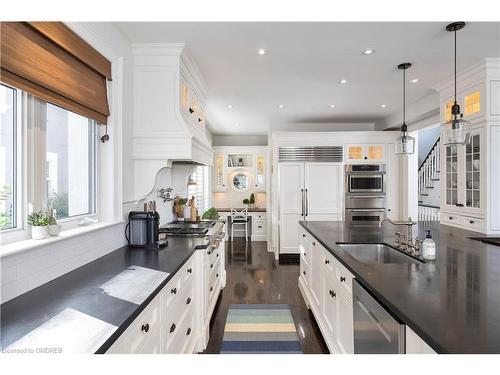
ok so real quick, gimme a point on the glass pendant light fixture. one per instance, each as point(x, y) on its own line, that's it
point(405, 144)
point(455, 131)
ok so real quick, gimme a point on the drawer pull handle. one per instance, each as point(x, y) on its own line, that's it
point(471, 221)
point(327, 261)
point(451, 218)
point(191, 110)
point(145, 328)
point(190, 270)
point(217, 255)
point(303, 235)
point(305, 254)
point(217, 275)
point(172, 327)
point(332, 293)
point(314, 243)
point(173, 291)
point(304, 272)
point(188, 332)
point(211, 266)
point(342, 279)
point(188, 301)
point(211, 288)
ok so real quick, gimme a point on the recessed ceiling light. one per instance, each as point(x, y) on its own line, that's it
point(368, 51)
point(229, 106)
point(343, 81)
point(281, 106)
point(383, 105)
point(332, 105)
point(261, 51)
point(414, 80)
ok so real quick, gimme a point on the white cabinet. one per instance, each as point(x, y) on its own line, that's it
point(259, 225)
point(415, 345)
point(307, 191)
point(327, 289)
point(463, 189)
point(363, 153)
point(176, 320)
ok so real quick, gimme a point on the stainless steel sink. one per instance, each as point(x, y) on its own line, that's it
point(377, 253)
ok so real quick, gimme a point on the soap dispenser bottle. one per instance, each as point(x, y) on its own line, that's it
point(429, 247)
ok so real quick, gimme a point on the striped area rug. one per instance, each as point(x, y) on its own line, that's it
point(260, 329)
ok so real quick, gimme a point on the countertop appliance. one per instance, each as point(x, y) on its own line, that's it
point(376, 331)
point(142, 229)
point(365, 193)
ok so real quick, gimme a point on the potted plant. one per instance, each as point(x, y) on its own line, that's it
point(252, 200)
point(246, 202)
point(39, 222)
point(54, 227)
point(179, 205)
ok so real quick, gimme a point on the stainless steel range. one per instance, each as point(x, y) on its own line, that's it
point(365, 193)
point(209, 229)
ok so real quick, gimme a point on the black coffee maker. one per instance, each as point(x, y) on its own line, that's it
point(143, 228)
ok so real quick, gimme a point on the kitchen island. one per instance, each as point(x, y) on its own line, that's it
point(89, 309)
point(452, 303)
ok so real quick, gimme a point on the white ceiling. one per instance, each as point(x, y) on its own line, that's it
point(305, 61)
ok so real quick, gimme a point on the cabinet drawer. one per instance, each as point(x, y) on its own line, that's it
point(259, 228)
point(144, 330)
point(451, 218)
point(261, 217)
point(344, 277)
point(178, 334)
point(473, 223)
point(174, 314)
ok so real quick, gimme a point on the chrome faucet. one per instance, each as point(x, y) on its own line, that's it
point(401, 242)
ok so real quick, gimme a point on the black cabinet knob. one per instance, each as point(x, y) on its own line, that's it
point(303, 235)
point(188, 301)
point(217, 255)
point(172, 327)
point(471, 221)
point(342, 279)
point(191, 110)
point(217, 275)
point(450, 218)
point(314, 243)
point(173, 291)
point(327, 261)
point(200, 120)
point(304, 272)
point(145, 327)
point(211, 266)
point(211, 288)
point(190, 270)
point(305, 254)
point(188, 332)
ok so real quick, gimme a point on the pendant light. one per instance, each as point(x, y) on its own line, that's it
point(405, 144)
point(455, 131)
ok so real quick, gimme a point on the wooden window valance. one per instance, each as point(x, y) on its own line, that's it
point(50, 61)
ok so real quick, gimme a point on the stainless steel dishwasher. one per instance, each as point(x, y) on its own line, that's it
point(375, 330)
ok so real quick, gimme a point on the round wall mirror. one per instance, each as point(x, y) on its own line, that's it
point(241, 182)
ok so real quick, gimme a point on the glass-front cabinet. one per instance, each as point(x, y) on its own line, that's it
point(220, 183)
point(463, 171)
point(365, 153)
point(260, 172)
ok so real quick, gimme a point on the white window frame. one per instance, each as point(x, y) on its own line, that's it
point(205, 192)
point(30, 168)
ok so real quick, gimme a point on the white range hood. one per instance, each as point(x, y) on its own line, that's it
point(169, 123)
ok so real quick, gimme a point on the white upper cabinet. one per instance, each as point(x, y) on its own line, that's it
point(363, 153)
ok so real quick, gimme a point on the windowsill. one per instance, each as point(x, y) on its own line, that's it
point(20, 246)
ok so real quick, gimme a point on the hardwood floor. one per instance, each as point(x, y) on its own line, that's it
point(254, 276)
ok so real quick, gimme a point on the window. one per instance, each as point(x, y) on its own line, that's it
point(7, 157)
point(201, 190)
point(69, 163)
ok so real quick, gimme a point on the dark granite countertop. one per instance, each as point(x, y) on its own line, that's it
point(453, 303)
point(81, 295)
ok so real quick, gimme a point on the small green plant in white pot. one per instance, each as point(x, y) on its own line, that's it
point(54, 227)
point(39, 222)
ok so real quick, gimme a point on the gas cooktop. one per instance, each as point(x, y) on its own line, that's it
point(187, 228)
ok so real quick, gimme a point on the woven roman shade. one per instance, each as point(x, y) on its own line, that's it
point(50, 61)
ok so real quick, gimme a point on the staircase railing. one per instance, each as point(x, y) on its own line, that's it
point(429, 169)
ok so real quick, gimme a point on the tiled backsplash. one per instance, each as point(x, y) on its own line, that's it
point(29, 269)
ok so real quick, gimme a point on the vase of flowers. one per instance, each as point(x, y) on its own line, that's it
point(39, 222)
